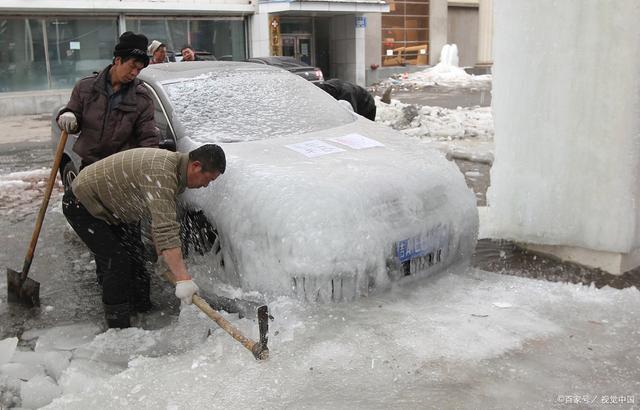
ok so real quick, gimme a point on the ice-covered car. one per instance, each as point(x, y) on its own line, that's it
point(316, 202)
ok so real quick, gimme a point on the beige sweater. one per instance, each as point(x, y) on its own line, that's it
point(131, 185)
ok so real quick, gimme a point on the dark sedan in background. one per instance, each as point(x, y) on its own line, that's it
point(313, 74)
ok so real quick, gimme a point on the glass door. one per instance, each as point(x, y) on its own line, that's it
point(297, 46)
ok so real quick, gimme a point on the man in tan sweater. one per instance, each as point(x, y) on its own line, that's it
point(112, 196)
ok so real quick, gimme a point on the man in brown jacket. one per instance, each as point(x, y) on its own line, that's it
point(111, 196)
point(113, 112)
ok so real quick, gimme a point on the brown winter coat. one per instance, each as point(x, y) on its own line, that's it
point(102, 132)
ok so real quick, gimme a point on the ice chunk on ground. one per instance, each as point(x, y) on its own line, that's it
point(38, 392)
point(86, 375)
point(53, 362)
point(9, 391)
point(119, 346)
point(7, 348)
point(22, 371)
point(67, 337)
point(436, 122)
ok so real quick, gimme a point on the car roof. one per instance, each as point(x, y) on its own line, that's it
point(159, 73)
point(279, 60)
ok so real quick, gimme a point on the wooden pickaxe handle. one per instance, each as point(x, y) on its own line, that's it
point(259, 349)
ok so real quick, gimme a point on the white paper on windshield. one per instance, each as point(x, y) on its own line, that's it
point(357, 141)
point(314, 148)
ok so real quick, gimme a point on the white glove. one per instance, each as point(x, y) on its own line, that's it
point(67, 121)
point(185, 289)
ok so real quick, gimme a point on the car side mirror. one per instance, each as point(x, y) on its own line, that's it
point(168, 144)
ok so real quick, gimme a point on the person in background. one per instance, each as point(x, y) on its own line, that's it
point(158, 52)
point(360, 99)
point(111, 196)
point(188, 53)
point(113, 112)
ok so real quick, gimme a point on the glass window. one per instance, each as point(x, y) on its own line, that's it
point(78, 47)
point(22, 55)
point(405, 34)
point(419, 36)
point(393, 22)
point(222, 38)
point(417, 9)
point(292, 25)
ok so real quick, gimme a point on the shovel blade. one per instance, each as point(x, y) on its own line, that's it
point(26, 292)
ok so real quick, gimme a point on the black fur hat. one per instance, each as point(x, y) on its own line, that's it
point(132, 45)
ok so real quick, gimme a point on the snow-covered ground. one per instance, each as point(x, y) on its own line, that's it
point(462, 339)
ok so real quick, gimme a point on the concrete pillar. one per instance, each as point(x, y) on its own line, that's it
point(438, 10)
point(347, 52)
point(565, 179)
point(360, 49)
point(259, 32)
point(485, 33)
point(373, 42)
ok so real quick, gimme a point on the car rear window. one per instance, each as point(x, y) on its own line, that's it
point(251, 104)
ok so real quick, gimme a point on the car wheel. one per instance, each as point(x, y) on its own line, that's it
point(198, 233)
point(69, 173)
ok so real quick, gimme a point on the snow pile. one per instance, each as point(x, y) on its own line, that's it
point(445, 73)
point(22, 192)
point(78, 358)
point(436, 122)
point(426, 342)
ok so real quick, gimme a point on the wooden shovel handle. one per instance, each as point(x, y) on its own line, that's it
point(43, 207)
point(259, 351)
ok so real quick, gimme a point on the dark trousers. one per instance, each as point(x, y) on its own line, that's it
point(118, 251)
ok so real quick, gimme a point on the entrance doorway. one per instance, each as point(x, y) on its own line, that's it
point(297, 46)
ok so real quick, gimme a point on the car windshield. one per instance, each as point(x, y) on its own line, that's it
point(246, 105)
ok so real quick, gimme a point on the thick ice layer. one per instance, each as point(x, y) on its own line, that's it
point(7, 347)
point(452, 341)
point(67, 337)
point(54, 362)
point(328, 226)
point(38, 392)
point(566, 106)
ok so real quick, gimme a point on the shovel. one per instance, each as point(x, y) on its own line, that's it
point(22, 289)
point(259, 349)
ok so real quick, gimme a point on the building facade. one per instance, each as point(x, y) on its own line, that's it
point(48, 45)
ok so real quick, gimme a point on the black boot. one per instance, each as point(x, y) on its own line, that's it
point(117, 316)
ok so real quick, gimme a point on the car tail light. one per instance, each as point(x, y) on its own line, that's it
point(319, 75)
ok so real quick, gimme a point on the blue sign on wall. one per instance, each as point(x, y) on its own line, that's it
point(361, 22)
